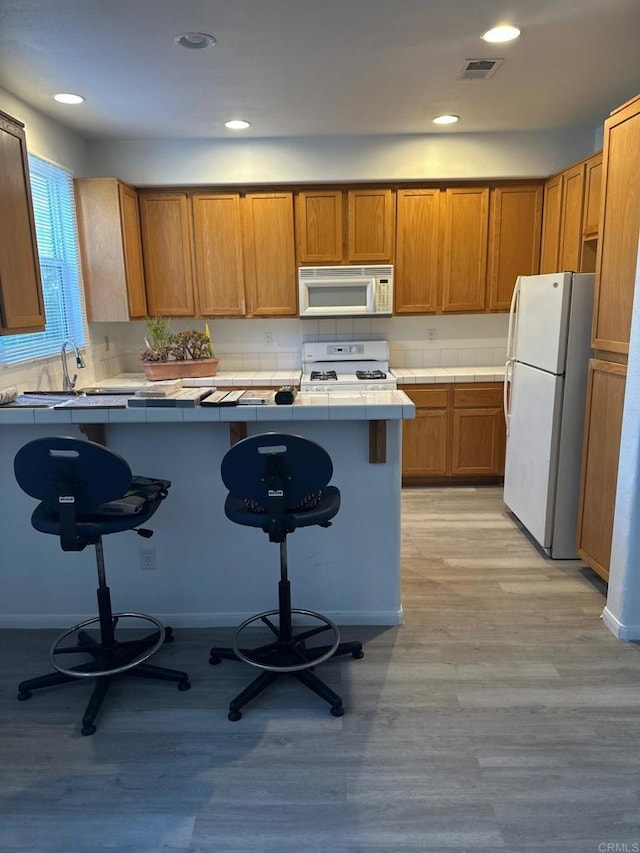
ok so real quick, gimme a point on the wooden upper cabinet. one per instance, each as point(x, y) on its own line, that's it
point(269, 253)
point(370, 225)
point(571, 219)
point(514, 240)
point(464, 248)
point(319, 226)
point(600, 454)
point(108, 217)
point(550, 251)
point(166, 244)
point(218, 254)
point(592, 196)
point(417, 251)
point(21, 303)
point(619, 228)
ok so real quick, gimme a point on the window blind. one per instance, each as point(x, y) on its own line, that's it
point(54, 212)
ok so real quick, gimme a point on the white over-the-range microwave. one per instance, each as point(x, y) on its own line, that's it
point(346, 291)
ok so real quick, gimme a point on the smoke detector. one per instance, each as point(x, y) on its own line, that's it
point(478, 69)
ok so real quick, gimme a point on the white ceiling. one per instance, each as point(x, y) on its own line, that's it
point(318, 67)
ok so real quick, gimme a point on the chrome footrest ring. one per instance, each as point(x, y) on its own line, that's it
point(294, 668)
point(143, 656)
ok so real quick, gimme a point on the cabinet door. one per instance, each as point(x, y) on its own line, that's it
point(550, 252)
point(478, 430)
point(417, 245)
point(514, 240)
point(619, 228)
point(571, 219)
point(108, 218)
point(319, 227)
point(218, 253)
point(466, 225)
point(425, 440)
point(592, 196)
point(21, 304)
point(371, 225)
point(270, 268)
point(166, 244)
point(132, 251)
point(425, 444)
point(601, 449)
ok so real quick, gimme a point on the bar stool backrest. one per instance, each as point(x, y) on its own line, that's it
point(56, 468)
point(253, 466)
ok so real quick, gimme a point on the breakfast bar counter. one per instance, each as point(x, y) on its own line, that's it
point(209, 571)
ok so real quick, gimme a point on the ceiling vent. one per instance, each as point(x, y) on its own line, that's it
point(478, 69)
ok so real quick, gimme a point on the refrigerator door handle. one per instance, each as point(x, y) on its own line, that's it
point(511, 334)
point(507, 393)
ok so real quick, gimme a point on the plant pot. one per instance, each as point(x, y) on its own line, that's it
point(189, 369)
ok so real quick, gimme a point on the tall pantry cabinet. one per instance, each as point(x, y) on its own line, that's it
point(615, 276)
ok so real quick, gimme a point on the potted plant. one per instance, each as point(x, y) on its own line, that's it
point(176, 356)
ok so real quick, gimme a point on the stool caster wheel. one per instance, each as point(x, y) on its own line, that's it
point(337, 710)
point(184, 685)
point(234, 716)
point(88, 730)
point(213, 660)
point(168, 635)
point(358, 655)
point(23, 695)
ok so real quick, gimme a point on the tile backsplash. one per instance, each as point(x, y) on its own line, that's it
point(470, 340)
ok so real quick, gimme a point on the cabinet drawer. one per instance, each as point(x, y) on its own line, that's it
point(429, 398)
point(474, 396)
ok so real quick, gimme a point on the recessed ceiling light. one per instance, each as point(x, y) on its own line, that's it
point(447, 119)
point(68, 98)
point(504, 32)
point(195, 41)
point(237, 124)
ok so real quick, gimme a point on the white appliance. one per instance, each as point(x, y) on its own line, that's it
point(346, 366)
point(345, 291)
point(548, 352)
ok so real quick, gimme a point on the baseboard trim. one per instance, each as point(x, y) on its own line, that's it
point(199, 620)
point(622, 632)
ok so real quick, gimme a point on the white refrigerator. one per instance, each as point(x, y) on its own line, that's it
point(548, 352)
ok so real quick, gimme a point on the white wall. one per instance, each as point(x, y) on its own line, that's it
point(424, 157)
point(45, 137)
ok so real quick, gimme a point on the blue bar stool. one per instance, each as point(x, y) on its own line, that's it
point(279, 482)
point(87, 491)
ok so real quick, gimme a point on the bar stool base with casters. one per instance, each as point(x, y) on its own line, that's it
point(279, 483)
point(80, 484)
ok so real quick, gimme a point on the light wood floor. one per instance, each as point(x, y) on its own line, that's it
point(502, 716)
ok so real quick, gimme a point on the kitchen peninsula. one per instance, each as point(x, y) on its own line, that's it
point(210, 571)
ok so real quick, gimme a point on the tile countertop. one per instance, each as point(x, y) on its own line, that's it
point(419, 375)
point(316, 406)
point(276, 378)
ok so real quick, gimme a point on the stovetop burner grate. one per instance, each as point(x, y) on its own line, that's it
point(371, 374)
point(323, 375)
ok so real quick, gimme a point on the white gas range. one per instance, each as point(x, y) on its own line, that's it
point(346, 366)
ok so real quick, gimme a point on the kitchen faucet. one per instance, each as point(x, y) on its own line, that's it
point(69, 384)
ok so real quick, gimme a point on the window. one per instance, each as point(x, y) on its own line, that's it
point(53, 206)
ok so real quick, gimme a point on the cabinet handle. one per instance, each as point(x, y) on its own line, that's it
point(506, 396)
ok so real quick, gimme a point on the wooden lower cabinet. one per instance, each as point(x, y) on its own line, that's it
point(425, 440)
point(601, 449)
point(458, 434)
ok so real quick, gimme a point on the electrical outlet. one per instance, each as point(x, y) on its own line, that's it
point(432, 335)
point(147, 558)
point(268, 339)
